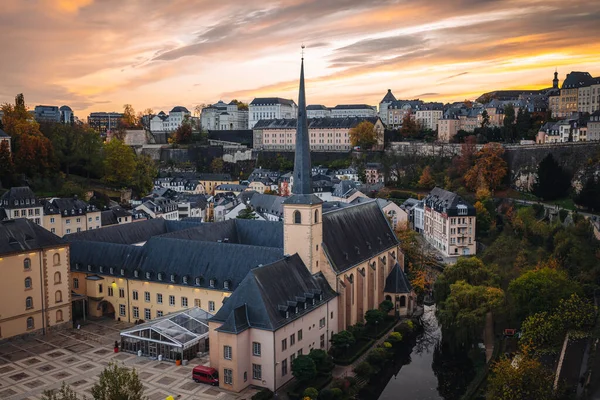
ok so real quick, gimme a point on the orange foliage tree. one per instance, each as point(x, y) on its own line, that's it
point(363, 135)
point(489, 167)
point(426, 181)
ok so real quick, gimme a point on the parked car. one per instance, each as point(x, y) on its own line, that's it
point(205, 375)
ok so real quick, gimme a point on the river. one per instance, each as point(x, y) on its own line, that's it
point(424, 370)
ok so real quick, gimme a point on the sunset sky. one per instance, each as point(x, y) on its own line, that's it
point(96, 55)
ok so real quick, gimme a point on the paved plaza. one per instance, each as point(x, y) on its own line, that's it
point(30, 366)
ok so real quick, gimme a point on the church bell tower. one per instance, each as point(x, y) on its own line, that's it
point(303, 210)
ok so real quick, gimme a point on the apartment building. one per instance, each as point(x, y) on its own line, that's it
point(102, 122)
point(68, 215)
point(569, 93)
point(35, 280)
point(169, 123)
point(449, 223)
point(21, 202)
point(270, 108)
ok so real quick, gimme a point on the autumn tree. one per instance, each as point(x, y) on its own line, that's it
point(216, 165)
point(426, 181)
point(240, 105)
point(410, 127)
point(489, 166)
point(363, 135)
point(129, 119)
point(520, 379)
point(553, 181)
point(119, 163)
point(183, 134)
point(118, 382)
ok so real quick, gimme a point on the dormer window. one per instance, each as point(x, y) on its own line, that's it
point(136, 274)
point(305, 305)
point(296, 309)
point(111, 270)
point(160, 276)
point(197, 281)
point(212, 283)
point(77, 266)
point(122, 272)
point(287, 314)
point(172, 278)
point(185, 280)
point(147, 275)
point(226, 285)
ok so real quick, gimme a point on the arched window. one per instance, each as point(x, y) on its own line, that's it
point(59, 315)
point(316, 216)
point(56, 258)
point(30, 324)
point(58, 296)
point(297, 217)
point(27, 263)
point(56, 277)
point(384, 260)
point(29, 303)
point(27, 283)
point(402, 301)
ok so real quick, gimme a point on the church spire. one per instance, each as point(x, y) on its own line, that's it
point(302, 191)
point(555, 80)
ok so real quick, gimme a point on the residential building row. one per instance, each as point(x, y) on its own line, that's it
point(341, 111)
point(326, 134)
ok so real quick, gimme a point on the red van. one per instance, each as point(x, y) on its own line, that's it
point(205, 375)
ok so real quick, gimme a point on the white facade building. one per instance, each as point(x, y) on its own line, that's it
point(353, 110)
point(317, 111)
point(169, 123)
point(221, 116)
point(270, 108)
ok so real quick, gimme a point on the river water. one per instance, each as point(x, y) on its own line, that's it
point(424, 370)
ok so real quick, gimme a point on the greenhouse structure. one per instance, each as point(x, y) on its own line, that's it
point(183, 333)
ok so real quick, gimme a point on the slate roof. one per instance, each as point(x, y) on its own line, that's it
point(111, 217)
point(267, 292)
point(447, 202)
point(397, 281)
point(232, 187)
point(219, 262)
point(314, 123)
point(132, 233)
point(179, 109)
point(389, 97)
point(354, 234)
point(576, 79)
point(214, 177)
point(21, 234)
point(267, 203)
point(272, 100)
point(67, 207)
point(18, 194)
point(240, 231)
point(315, 107)
point(353, 107)
point(3, 134)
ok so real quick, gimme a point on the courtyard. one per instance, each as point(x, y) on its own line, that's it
point(30, 366)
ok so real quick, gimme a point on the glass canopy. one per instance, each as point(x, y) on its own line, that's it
point(183, 329)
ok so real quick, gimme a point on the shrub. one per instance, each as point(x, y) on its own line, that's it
point(374, 317)
point(311, 393)
point(304, 368)
point(357, 330)
point(364, 370)
point(405, 328)
point(387, 345)
point(386, 306)
point(377, 356)
point(322, 360)
point(331, 394)
point(395, 337)
point(264, 394)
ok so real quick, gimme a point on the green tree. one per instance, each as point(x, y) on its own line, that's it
point(92, 157)
point(247, 213)
point(304, 368)
point(322, 360)
point(484, 219)
point(119, 163)
point(143, 176)
point(64, 393)
point(576, 313)
point(540, 290)
point(363, 135)
point(589, 195)
point(386, 306)
point(374, 317)
point(485, 119)
point(364, 370)
point(7, 168)
point(509, 123)
point(471, 270)
point(542, 330)
point(462, 315)
point(342, 340)
point(118, 383)
point(523, 378)
point(553, 181)
point(524, 123)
